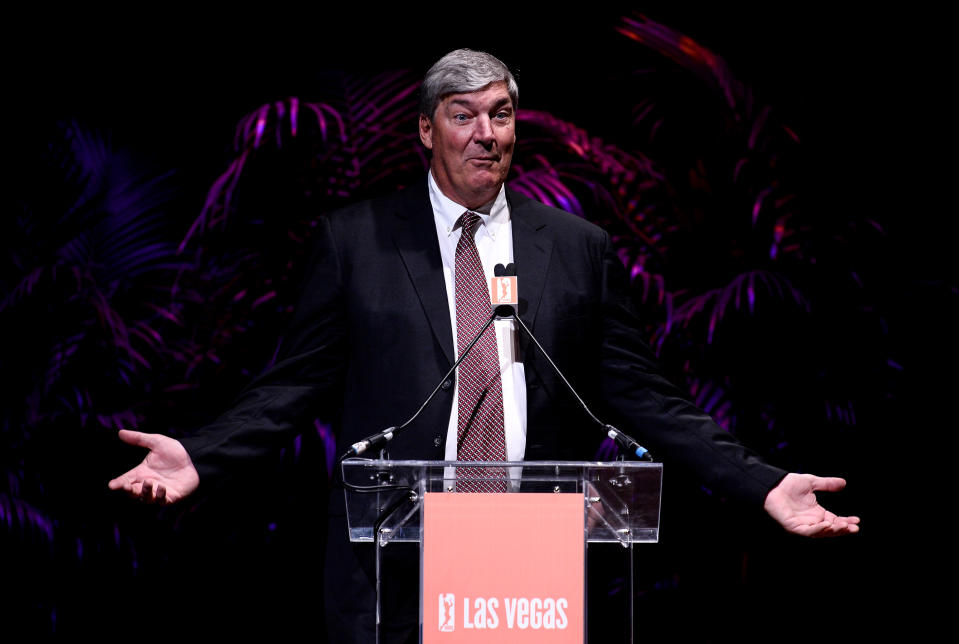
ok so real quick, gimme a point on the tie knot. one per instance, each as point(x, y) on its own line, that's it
point(468, 221)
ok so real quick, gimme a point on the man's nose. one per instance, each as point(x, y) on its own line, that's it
point(483, 132)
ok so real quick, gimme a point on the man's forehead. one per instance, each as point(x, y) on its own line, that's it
point(494, 93)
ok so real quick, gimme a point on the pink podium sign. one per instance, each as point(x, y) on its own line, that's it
point(503, 568)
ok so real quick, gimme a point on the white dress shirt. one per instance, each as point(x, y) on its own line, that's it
point(494, 243)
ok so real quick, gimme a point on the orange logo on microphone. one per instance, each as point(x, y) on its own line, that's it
point(503, 290)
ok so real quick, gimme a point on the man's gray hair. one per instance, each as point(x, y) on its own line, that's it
point(460, 72)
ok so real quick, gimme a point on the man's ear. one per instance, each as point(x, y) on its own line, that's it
point(426, 132)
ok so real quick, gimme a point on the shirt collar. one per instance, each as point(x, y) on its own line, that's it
point(493, 214)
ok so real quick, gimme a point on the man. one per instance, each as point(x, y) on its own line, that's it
point(382, 318)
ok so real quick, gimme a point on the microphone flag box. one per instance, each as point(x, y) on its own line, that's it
point(503, 290)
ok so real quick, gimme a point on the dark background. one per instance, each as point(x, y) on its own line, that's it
point(862, 90)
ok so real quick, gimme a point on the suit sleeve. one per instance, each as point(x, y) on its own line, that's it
point(307, 373)
point(657, 413)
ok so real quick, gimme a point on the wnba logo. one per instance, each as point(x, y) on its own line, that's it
point(447, 612)
point(503, 290)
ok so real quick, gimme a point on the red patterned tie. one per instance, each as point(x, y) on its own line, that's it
point(480, 435)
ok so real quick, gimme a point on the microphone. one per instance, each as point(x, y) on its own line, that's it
point(500, 271)
point(508, 310)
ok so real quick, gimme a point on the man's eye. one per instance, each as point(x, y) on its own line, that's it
point(460, 117)
point(503, 115)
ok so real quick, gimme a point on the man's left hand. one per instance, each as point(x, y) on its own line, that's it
point(793, 504)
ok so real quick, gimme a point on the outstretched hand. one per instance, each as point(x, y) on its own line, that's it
point(793, 504)
point(165, 476)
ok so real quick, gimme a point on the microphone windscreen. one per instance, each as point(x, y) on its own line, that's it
point(499, 270)
point(505, 311)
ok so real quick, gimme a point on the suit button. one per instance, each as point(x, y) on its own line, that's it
point(446, 384)
point(438, 440)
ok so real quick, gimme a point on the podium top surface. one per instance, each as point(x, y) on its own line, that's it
point(621, 498)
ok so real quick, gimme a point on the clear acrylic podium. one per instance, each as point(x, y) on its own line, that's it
point(621, 500)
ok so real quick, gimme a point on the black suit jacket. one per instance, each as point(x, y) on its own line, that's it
point(371, 338)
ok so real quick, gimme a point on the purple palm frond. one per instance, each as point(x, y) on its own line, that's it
point(545, 185)
point(760, 182)
point(357, 138)
point(742, 291)
point(712, 399)
point(561, 164)
point(294, 160)
point(708, 67)
point(18, 514)
point(843, 412)
point(89, 255)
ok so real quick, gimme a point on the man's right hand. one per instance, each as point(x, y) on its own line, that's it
point(165, 476)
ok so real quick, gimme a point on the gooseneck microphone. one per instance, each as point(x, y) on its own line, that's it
point(624, 440)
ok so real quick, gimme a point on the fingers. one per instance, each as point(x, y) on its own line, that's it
point(146, 491)
point(827, 483)
point(836, 526)
point(847, 525)
point(139, 439)
point(152, 492)
point(836, 530)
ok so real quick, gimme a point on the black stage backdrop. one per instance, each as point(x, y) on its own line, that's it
point(140, 288)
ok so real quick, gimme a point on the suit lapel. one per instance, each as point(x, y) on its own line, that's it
point(415, 238)
point(531, 252)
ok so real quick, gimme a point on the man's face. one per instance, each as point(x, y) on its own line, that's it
point(472, 137)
